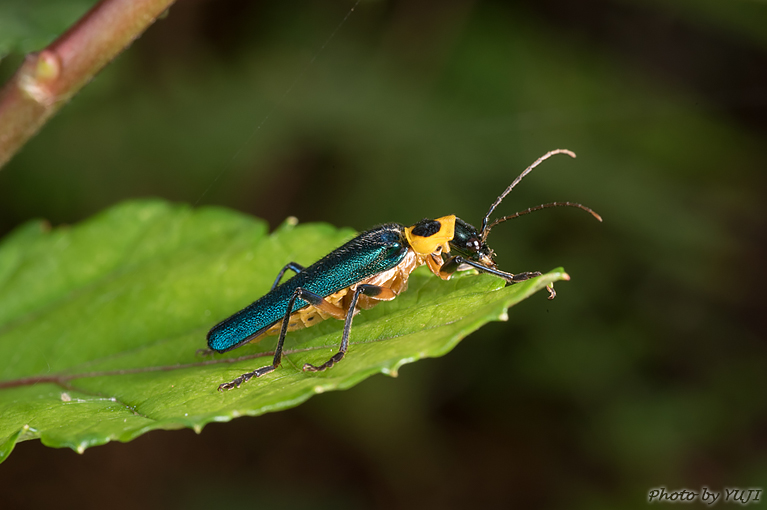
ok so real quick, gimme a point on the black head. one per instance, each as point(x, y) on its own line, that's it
point(469, 244)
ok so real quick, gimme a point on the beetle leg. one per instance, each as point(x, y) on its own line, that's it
point(520, 277)
point(552, 292)
point(368, 290)
point(310, 297)
point(449, 267)
point(294, 266)
point(435, 263)
point(452, 264)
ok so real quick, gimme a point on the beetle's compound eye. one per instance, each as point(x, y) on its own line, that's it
point(426, 228)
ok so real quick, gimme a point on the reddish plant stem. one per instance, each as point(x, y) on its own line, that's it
point(49, 78)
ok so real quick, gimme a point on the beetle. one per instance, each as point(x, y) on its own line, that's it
point(372, 267)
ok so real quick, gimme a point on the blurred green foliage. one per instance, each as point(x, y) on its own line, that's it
point(649, 367)
point(29, 25)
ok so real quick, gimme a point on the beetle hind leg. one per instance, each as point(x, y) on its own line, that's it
point(384, 293)
point(311, 298)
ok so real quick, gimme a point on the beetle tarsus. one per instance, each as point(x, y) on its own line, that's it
point(308, 367)
point(246, 377)
point(521, 277)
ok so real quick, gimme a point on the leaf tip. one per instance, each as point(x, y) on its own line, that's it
point(391, 372)
point(289, 223)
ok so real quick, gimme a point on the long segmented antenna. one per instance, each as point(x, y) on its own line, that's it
point(485, 229)
point(538, 208)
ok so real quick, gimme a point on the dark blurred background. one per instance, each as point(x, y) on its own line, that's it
point(648, 370)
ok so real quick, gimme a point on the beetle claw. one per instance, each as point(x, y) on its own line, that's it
point(552, 292)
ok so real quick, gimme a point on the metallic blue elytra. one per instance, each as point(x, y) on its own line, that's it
point(368, 254)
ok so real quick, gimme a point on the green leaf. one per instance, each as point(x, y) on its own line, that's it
point(100, 323)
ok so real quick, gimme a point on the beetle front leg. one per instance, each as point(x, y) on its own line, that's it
point(452, 264)
point(520, 277)
point(449, 267)
point(367, 289)
point(308, 296)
